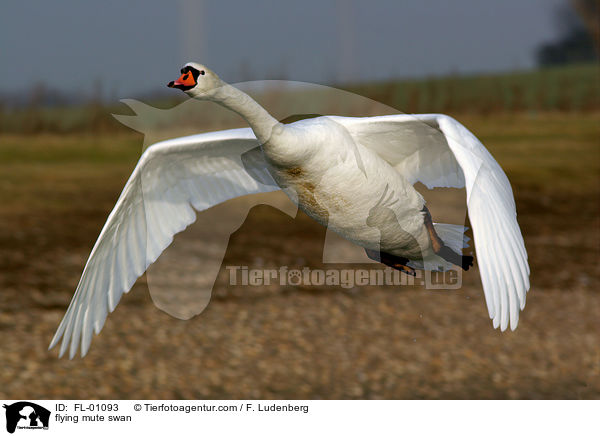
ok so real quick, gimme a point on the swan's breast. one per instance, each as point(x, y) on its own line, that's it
point(305, 189)
point(339, 182)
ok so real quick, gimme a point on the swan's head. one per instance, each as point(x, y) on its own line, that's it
point(197, 81)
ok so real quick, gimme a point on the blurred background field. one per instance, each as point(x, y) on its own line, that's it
point(64, 161)
point(571, 89)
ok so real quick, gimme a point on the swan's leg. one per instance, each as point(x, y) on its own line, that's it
point(441, 249)
point(390, 260)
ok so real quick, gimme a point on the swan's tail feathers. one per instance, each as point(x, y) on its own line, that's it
point(454, 239)
point(453, 236)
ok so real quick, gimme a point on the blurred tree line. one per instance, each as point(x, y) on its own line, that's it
point(579, 38)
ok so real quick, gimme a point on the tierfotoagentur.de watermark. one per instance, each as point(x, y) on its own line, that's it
point(346, 278)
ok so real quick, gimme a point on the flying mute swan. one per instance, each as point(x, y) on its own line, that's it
point(354, 175)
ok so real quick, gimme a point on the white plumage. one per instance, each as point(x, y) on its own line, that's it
point(338, 169)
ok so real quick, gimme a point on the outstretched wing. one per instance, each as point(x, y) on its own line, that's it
point(438, 151)
point(171, 179)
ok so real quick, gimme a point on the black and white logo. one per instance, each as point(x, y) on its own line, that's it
point(26, 415)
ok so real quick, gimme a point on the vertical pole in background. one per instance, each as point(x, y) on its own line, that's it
point(192, 30)
point(345, 21)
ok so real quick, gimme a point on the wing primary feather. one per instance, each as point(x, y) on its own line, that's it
point(171, 180)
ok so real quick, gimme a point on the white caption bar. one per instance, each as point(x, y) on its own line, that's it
point(248, 417)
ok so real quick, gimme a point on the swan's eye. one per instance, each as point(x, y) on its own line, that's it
point(202, 72)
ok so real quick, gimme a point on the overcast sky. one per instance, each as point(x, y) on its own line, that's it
point(137, 46)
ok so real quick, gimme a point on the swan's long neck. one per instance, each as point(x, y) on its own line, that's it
point(258, 118)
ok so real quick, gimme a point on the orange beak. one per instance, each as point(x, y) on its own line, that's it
point(185, 82)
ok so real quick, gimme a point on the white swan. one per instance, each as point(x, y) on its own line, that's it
point(355, 175)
